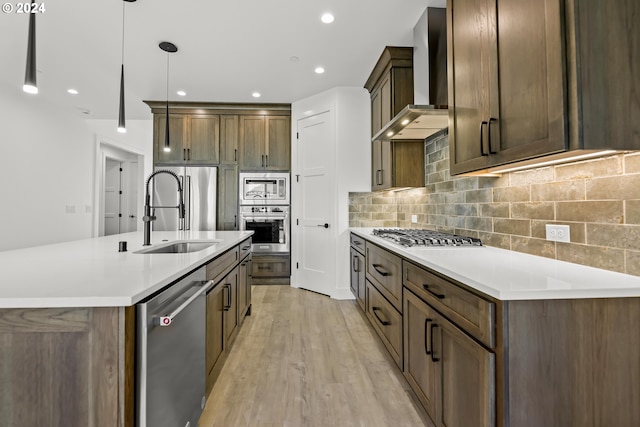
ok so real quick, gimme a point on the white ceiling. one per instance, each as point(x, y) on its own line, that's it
point(227, 49)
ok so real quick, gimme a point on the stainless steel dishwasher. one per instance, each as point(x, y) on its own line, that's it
point(170, 353)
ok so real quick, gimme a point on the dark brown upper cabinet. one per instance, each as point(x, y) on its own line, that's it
point(393, 163)
point(532, 80)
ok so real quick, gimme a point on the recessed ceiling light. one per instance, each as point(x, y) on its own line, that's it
point(181, 93)
point(256, 94)
point(72, 91)
point(327, 18)
point(319, 70)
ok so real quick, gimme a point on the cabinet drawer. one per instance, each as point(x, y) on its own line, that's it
point(357, 243)
point(220, 266)
point(470, 312)
point(384, 270)
point(271, 266)
point(245, 248)
point(386, 320)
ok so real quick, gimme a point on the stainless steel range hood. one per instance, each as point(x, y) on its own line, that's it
point(416, 122)
point(429, 115)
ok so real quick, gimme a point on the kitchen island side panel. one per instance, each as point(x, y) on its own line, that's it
point(573, 363)
point(65, 367)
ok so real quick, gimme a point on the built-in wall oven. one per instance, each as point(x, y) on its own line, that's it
point(270, 225)
point(264, 208)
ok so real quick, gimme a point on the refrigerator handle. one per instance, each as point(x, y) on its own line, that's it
point(184, 194)
point(187, 216)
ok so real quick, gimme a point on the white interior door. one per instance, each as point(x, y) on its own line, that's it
point(112, 196)
point(316, 205)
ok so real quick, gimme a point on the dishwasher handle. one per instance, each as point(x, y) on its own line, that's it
point(168, 319)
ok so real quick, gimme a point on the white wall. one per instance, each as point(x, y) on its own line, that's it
point(47, 167)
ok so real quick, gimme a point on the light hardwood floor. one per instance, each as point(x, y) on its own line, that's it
point(303, 359)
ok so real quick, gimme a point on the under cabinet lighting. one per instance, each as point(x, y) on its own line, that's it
point(181, 93)
point(405, 122)
point(256, 94)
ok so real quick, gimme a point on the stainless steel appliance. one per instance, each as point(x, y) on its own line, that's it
point(420, 237)
point(199, 187)
point(264, 188)
point(170, 354)
point(270, 225)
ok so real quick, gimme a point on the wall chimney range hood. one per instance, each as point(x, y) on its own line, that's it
point(428, 116)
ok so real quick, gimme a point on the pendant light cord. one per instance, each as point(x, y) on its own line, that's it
point(167, 81)
point(123, 3)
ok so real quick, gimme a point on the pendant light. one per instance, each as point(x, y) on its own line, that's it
point(30, 80)
point(122, 128)
point(169, 48)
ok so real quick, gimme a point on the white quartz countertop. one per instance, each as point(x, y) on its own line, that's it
point(92, 273)
point(510, 275)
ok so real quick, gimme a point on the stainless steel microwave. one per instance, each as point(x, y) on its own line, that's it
point(264, 188)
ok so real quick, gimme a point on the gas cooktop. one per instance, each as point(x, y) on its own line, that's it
point(416, 237)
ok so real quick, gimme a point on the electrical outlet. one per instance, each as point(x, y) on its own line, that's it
point(414, 219)
point(558, 233)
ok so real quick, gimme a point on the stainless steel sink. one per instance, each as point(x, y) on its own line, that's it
point(179, 247)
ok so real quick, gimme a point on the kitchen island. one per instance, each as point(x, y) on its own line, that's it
point(67, 324)
point(490, 337)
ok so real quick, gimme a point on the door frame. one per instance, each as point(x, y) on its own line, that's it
point(122, 153)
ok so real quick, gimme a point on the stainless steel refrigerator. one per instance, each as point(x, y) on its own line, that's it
point(199, 184)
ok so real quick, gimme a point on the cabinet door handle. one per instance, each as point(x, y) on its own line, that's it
point(184, 154)
point(356, 264)
point(266, 160)
point(227, 307)
point(426, 334)
point(262, 161)
point(376, 267)
point(439, 296)
point(235, 221)
point(375, 313)
point(379, 177)
point(482, 150)
point(491, 150)
point(235, 154)
point(433, 353)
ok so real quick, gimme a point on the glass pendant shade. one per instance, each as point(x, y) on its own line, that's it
point(30, 78)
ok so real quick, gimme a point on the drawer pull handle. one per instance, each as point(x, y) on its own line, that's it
point(375, 313)
point(433, 353)
point(426, 334)
point(357, 242)
point(376, 267)
point(439, 296)
point(246, 248)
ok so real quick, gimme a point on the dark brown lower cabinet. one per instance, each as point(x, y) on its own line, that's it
point(452, 375)
point(271, 269)
point(386, 320)
point(215, 335)
point(358, 277)
point(244, 288)
point(230, 291)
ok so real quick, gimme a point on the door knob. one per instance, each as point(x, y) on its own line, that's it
point(325, 225)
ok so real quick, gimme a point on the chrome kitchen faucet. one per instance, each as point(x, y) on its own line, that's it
point(148, 217)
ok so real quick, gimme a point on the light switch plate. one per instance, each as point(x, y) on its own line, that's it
point(558, 233)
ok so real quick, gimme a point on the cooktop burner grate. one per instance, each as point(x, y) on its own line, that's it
point(417, 237)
